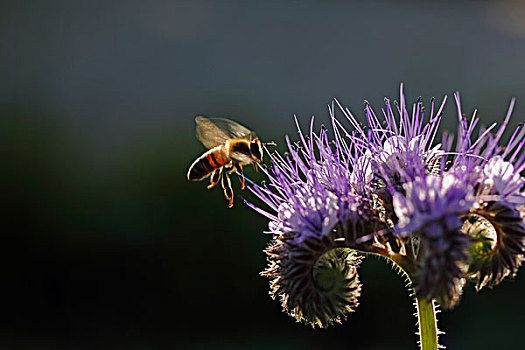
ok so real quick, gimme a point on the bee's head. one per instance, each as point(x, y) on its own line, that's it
point(256, 150)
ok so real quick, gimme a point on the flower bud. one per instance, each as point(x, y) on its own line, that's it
point(499, 233)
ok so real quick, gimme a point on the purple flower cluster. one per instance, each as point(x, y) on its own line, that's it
point(445, 212)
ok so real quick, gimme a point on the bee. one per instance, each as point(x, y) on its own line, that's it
point(231, 146)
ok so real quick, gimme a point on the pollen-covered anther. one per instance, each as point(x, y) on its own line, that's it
point(499, 232)
point(316, 283)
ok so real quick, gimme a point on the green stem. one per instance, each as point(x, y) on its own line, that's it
point(427, 324)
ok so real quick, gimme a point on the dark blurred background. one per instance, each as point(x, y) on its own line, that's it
point(106, 245)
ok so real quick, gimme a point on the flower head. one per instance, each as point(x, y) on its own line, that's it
point(398, 149)
point(316, 283)
point(432, 207)
point(443, 214)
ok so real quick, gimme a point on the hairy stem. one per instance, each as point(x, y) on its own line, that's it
point(427, 324)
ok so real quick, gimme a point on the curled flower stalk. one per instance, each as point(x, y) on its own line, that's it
point(444, 211)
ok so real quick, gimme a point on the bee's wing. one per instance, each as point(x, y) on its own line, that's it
point(216, 131)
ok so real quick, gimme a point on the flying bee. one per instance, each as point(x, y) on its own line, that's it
point(231, 146)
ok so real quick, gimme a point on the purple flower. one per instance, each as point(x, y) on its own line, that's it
point(495, 171)
point(431, 208)
point(398, 149)
point(431, 199)
point(443, 214)
point(311, 195)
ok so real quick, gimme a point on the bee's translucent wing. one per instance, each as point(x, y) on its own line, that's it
point(216, 131)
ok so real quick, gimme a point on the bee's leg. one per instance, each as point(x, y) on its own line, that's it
point(255, 166)
point(227, 186)
point(238, 167)
point(215, 177)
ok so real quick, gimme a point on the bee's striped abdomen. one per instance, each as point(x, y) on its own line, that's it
point(206, 164)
